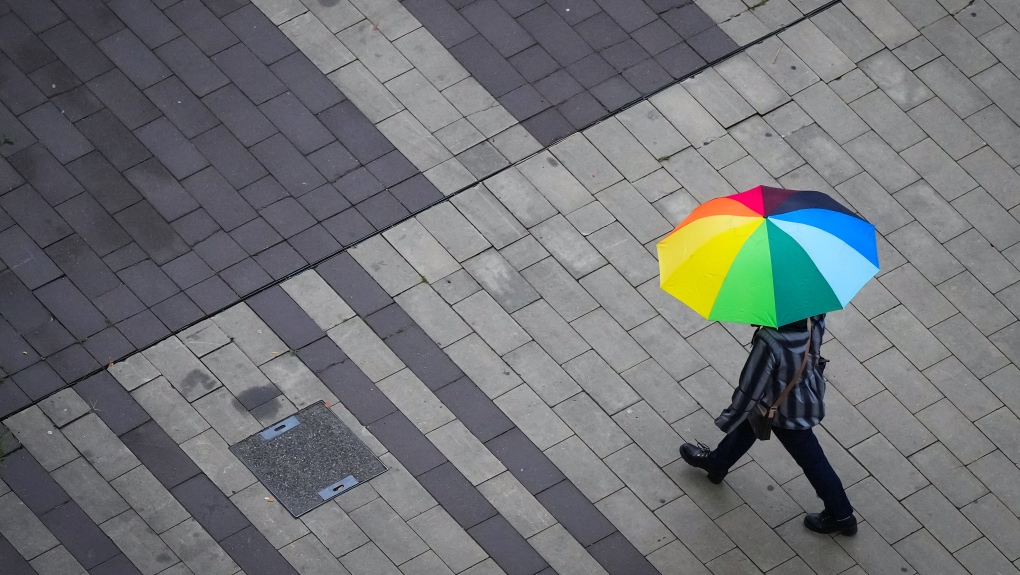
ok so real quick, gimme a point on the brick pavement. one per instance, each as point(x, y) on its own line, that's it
point(519, 330)
point(165, 161)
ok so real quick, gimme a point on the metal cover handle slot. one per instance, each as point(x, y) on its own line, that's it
point(281, 427)
point(337, 488)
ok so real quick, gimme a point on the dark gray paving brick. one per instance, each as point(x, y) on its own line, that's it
point(48, 339)
point(315, 243)
point(219, 199)
point(474, 409)
point(161, 188)
point(220, 251)
point(212, 295)
point(45, 173)
point(507, 548)
point(280, 260)
point(33, 484)
point(168, 144)
point(355, 132)
point(191, 66)
point(416, 192)
point(73, 362)
point(359, 185)
point(290, 116)
point(181, 107)
point(22, 46)
point(143, 329)
point(118, 410)
point(414, 451)
point(125, 257)
point(144, 224)
point(16, 91)
point(146, 21)
point(134, 58)
point(76, 51)
point(34, 268)
point(119, 303)
point(92, 17)
point(525, 461)
point(113, 139)
point(108, 345)
point(187, 270)
point(103, 182)
point(148, 282)
point(39, 15)
point(201, 25)
point(77, 260)
point(55, 132)
point(456, 494)
point(382, 210)
point(12, 559)
point(253, 553)
point(236, 112)
point(177, 312)
point(264, 192)
point(34, 215)
point(79, 535)
point(287, 165)
point(161, 456)
point(487, 66)
point(285, 317)
point(333, 161)
point(15, 352)
point(305, 81)
point(442, 21)
point(77, 103)
point(209, 506)
point(245, 276)
point(358, 394)
point(71, 308)
point(261, 36)
point(249, 73)
point(39, 380)
point(573, 510)
point(255, 236)
point(555, 35)
point(122, 98)
point(119, 565)
point(619, 556)
point(498, 27)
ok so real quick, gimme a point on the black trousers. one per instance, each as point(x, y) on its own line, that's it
point(803, 446)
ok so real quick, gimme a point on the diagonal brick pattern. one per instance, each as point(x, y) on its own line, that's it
point(162, 162)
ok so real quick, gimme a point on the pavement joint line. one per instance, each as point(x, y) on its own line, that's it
point(320, 261)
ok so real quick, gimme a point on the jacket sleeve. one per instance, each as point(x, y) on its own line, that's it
point(754, 382)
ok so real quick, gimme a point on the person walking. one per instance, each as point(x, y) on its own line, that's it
point(777, 359)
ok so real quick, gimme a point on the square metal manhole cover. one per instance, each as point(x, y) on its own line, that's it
point(308, 458)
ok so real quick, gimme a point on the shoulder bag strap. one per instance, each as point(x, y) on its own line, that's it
point(800, 370)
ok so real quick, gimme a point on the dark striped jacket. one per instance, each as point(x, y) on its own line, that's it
point(775, 356)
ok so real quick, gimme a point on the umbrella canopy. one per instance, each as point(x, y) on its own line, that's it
point(768, 256)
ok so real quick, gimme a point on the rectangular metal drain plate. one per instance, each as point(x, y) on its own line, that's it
point(308, 458)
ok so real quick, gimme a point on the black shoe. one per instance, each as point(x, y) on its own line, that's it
point(697, 456)
point(824, 523)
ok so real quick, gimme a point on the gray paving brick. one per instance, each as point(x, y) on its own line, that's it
point(881, 162)
point(873, 202)
point(982, 18)
point(774, 506)
point(466, 453)
point(999, 474)
point(654, 132)
point(170, 410)
point(852, 85)
point(501, 280)
point(314, 40)
point(932, 211)
point(752, 83)
point(945, 128)
point(403, 493)
point(746, 173)
point(150, 499)
point(551, 332)
point(682, 109)
point(386, 266)
point(694, 529)
point(227, 416)
point(848, 375)
point(722, 152)
point(783, 64)
point(998, 383)
point(888, 120)
point(542, 373)
point(697, 175)
point(334, 529)
point(100, 446)
point(181, 368)
point(89, 490)
point(592, 425)
point(495, 326)
point(133, 371)
point(926, 254)
point(624, 253)
point(310, 556)
point(872, 553)
point(649, 431)
point(622, 149)
point(896, 80)
point(888, 466)
point(884, 20)
point(927, 554)
point(64, 407)
point(831, 113)
point(983, 556)
point(419, 96)
point(675, 559)
point(901, 377)
point(998, 131)
point(413, 140)
point(520, 196)
point(564, 553)
point(292, 377)
point(950, 476)
point(821, 553)
point(483, 366)
point(634, 212)
point(609, 340)
point(279, 527)
point(635, 521)
point(916, 52)
point(22, 529)
point(822, 152)
point(970, 346)
point(433, 315)
point(430, 58)
point(586, 163)
point(453, 231)
point(568, 246)
point(516, 504)
point(554, 182)
point(459, 135)
point(591, 476)
point(774, 154)
point(676, 206)
point(489, 217)
point(959, 46)
point(590, 218)
point(953, 87)
point(960, 386)
point(211, 454)
point(141, 545)
point(387, 530)
point(447, 539)
point(874, 299)
point(1006, 343)
point(762, 545)
point(997, 523)
point(249, 333)
point(718, 97)
point(200, 338)
point(893, 420)
point(955, 431)
point(369, 559)
point(421, 250)
point(847, 32)
point(365, 348)
point(989, 218)
point(1000, 426)
point(57, 561)
point(917, 295)
point(198, 550)
point(318, 299)
point(942, 519)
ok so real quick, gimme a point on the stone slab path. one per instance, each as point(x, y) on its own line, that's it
point(509, 355)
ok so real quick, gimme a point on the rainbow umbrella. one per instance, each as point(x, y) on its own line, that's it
point(768, 256)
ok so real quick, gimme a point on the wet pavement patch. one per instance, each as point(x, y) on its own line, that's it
point(308, 458)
